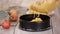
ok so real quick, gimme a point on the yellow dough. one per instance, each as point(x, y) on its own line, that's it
point(37, 20)
point(46, 7)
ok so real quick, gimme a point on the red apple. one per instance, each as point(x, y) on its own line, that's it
point(13, 17)
point(5, 24)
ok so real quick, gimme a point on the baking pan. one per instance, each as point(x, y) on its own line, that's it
point(27, 25)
